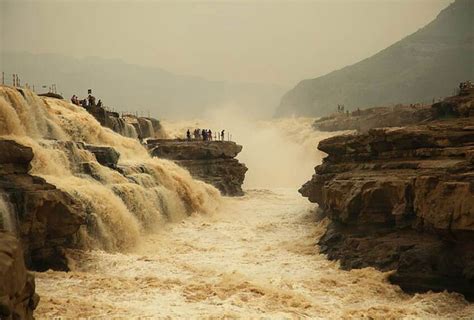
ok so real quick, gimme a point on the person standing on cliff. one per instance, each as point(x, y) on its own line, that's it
point(209, 134)
point(188, 135)
point(204, 134)
point(222, 135)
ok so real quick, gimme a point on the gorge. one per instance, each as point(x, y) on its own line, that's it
point(117, 233)
point(402, 199)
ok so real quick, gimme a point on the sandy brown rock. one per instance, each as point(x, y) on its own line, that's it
point(47, 217)
point(227, 175)
point(378, 117)
point(194, 150)
point(17, 286)
point(403, 199)
point(210, 161)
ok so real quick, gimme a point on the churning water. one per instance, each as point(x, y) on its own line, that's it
point(170, 247)
point(146, 194)
point(255, 258)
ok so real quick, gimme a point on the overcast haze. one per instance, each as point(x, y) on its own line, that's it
point(251, 41)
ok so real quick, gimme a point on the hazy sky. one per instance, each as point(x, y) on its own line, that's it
point(259, 41)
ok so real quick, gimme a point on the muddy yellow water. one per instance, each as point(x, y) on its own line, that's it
point(255, 258)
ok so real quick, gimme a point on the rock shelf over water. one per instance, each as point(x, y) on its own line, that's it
point(403, 199)
point(210, 161)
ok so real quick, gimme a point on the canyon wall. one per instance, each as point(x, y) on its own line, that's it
point(366, 119)
point(210, 161)
point(44, 218)
point(17, 286)
point(402, 199)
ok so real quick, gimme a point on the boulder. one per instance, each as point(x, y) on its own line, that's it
point(17, 286)
point(106, 156)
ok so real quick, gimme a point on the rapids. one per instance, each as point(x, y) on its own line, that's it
point(119, 206)
point(255, 258)
point(168, 246)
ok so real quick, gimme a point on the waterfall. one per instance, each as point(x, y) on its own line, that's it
point(7, 215)
point(142, 194)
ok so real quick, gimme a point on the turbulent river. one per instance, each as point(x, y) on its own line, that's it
point(254, 258)
point(168, 246)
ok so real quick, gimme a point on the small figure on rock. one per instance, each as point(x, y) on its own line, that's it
point(222, 135)
point(188, 134)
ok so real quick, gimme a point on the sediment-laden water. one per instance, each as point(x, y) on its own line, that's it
point(146, 193)
point(168, 246)
point(254, 258)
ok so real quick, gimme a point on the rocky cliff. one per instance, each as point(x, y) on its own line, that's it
point(402, 199)
point(407, 72)
point(17, 286)
point(378, 117)
point(44, 217)
point(210, 161)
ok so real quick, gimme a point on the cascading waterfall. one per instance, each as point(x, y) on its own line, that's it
point(7, 216)
point(140, 195)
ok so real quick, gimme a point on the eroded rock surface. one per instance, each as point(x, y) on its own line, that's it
point(397, 116)
point(364, 120)
point(17, 286)
point(403, 199)
point(46, 217)
point(209, 161)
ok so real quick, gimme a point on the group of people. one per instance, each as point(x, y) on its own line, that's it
point(86, 102)
point(205, 135)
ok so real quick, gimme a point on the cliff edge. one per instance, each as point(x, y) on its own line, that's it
point(402, 199)
point(210, 161)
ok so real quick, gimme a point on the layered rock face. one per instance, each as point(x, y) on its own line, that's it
point(45, 218)
point(17, 286)
point(364, 120)
point(403, 199)
point(210, 161)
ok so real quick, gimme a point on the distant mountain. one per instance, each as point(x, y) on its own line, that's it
point(425, 65)
point(128, 87)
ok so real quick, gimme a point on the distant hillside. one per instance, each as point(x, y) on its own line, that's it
point(425, 65)
point(136, 88)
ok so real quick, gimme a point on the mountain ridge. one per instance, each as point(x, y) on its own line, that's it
point(406, 72)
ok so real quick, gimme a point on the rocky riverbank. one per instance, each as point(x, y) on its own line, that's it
point(210, 161)
point(402, 199)
point(44, 217)
point(366, 119)
point(18, 299)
